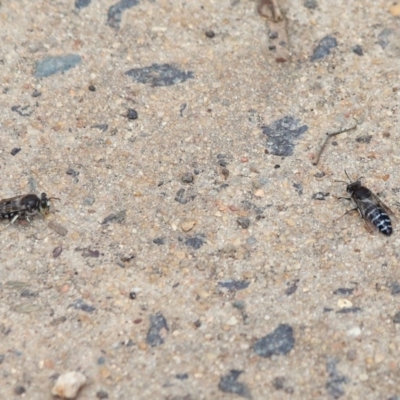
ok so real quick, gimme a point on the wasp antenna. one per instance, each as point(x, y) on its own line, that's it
point(341, 182)
point(347, 175)
point(54, 198)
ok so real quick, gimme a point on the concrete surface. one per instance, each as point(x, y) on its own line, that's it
point(199, 240)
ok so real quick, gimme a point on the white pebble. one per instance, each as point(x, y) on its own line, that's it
point(67, 385)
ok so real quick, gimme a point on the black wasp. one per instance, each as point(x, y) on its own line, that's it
point(371, 208)
point(24, 206)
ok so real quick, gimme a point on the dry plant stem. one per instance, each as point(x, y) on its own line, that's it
point(273, 4)
point(326, 139)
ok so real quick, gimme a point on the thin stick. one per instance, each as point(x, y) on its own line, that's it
point(326, 139)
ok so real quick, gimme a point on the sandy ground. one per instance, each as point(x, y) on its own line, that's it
point(195, 251)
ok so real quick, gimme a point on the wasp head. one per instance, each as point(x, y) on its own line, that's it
point(44, 206)
point(353, 186)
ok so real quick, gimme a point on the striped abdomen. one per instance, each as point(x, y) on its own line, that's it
point(379, 218)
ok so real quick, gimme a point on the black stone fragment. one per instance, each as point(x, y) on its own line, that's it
point(229, 384)
point(195, 242)
point(298, 187)
point(132, 114)
point(81, 305)
point(92, 88)
point(344, 291)
point(72, 172)
point(311, 4)
point(157, 331)
point(159, 75)
point(18, 390)
point(182, 377)
point(36, 93)
point(15, 151)
point(348, 310)
point(279, 383)
point(2, 357)
point(29, 293)
point(102, 127)
point(357, 49)
point(183, 196)
point(273, 35)
point(324, 47)
point(292, 288)
point(114, 16)
point(52, 65)
point(394, 288)
point(320, 195)
point(396, 318)
point(335, 379)
point(159, 241)
point(118, 217)
point(187, 177)
point(383, 37)
point(280, 341)
point(102, 394)
point(234, 285)
point(90, 253)
point(210, 34)
point(25, 111)
point(364, 139)
point(132, 295)
point(243, 222)
point(282, 135)
point(81, 3)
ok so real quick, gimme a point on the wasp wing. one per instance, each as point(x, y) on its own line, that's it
point(362, 206)
point(12, 204)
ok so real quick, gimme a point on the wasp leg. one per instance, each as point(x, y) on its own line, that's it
point(345, 198)
point(11, 222)
point(348, 211)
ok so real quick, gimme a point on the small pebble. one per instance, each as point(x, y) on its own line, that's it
point(15, 151)
point(210, 34)
point(396, 318)
point(58, 228)
point(57, 251)
point(18, 390)
point(36, 93)
point(357, 49)
point(344, 303)
point(67, 385)
point(92, 88)
point(273, 35)
point(311, 4)
point(102, 394)
point(243, 222)
point(188, 225)
point(132, 295)
point(132, 114)
point(187, 178)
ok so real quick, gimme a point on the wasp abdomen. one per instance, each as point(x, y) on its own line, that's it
point(378, 217)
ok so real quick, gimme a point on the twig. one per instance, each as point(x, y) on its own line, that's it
point(273, 4)
point(326, 139)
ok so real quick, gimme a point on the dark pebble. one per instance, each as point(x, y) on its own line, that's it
point(88, 201)
point(102, 127)
point(57, 251)
point(187, 178)
point(320, 195)
point(81, 305)
point(282, 135)
point(182, 377)
point(195, 242)
point(2, 357)
point(72, 172)
point(132, 114)
point(298, 187)
point(394, 288)
point(157, 331)
point(349, 310)
point(159, 75)
point(357, 49)
point(234, 285)
point(118, 217)
point(364, 139)
point(114, 16)
point(92, 88)
point(273, 35)
point(15, 151)
point(319, 174)
point(280, 341)
point(23, 111)
point(383, 37)
point(132, 295)
point(18, 390)
point(159, 241)
point(29, 293)
point(272, 47)
point(396, 318)
point(82, 3)
point(324, 47)
point(280, 383)
point(210, 34)
point(344, 291)
point(335, 143)
point(229, 384)
point(311, 4)
point(276, 166)
point(101, 361)
point(197, 323)
point(292, 288)
point(52, 65)
point(90, 253)
point(102, 394)
point(243, 222)
point(36, 93)
point(335, 379)
point(239, 304)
